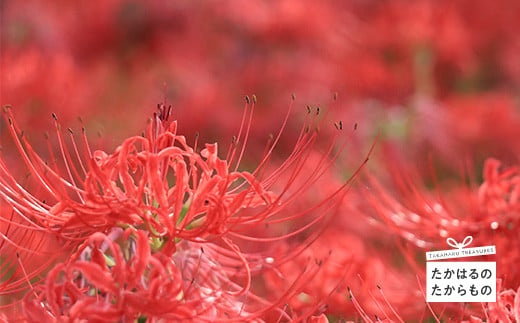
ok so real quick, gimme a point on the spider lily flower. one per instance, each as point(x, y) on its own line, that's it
point(117, 276)
point(488, 212)
point(172, 200)
point(505, 309)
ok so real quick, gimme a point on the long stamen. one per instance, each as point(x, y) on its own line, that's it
point(25, 275)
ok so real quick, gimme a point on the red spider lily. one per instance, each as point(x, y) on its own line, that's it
point(118, 277)
point(25, 252)
point(489, 214)
point(158, 184)
point(131, 186)
point(399, 50)
point(345, 265)
point(505, 309)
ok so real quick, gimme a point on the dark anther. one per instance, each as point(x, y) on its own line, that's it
point(54, 116)
point(247, 99)
point(164, 113)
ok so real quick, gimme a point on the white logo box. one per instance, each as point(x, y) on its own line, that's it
point(461, 281)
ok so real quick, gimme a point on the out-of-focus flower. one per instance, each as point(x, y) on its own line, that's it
point(119, 53)
point(505, 309)
point(346, 265)
point(425, 220)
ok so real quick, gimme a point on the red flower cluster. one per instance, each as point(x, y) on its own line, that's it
point(187, 216)
point(438, 79)
point(423, 221)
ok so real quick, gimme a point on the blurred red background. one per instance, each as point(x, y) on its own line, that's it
point(439, 76)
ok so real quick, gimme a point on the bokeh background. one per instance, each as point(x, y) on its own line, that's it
point(439, 76)
point(440, 80)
